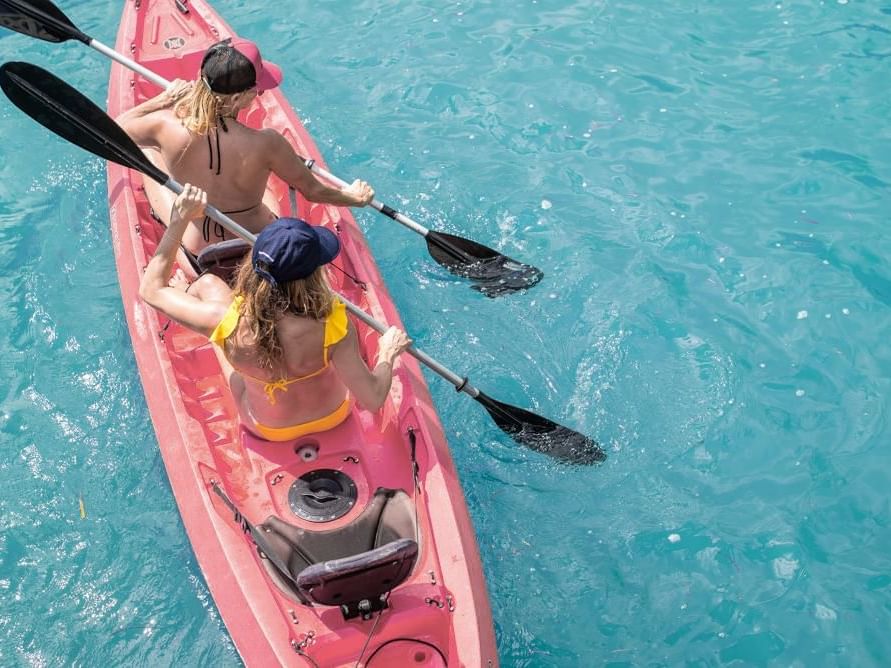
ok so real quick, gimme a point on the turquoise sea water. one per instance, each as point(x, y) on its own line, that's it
point(706, 186)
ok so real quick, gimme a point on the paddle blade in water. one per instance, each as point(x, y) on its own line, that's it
point(494, 274)
point(543, 435)
point(40, 19)
point(59, 107)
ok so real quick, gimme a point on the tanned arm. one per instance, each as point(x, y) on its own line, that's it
point(369, 387)
point(188, 310)
point(290, 168)
point(139, 123)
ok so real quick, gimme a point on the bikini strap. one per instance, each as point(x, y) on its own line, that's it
point(271, 387)
point(228, 323)
point(336, 326)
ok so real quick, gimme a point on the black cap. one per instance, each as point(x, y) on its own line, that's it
point(231, 66)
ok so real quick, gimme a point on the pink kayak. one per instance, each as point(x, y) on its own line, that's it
point(348, 547)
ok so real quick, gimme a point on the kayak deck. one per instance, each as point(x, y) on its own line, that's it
point(440, 615)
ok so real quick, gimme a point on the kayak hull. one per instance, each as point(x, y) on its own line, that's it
point(440, 615)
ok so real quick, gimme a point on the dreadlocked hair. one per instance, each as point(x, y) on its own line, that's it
point(200, 109)
point(264, 304)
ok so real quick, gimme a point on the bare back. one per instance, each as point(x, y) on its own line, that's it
point(240, 154)
point(231, 166)
point(303, 400)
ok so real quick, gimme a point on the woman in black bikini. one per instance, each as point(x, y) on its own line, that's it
point(187, 129)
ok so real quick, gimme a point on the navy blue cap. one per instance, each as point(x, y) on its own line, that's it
point(289, 249)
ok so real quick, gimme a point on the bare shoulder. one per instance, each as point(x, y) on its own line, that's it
point(214, 294)
point(168, 124)
point(263, 143)
point(217, 308)
point(272, 139)
point(165, 117)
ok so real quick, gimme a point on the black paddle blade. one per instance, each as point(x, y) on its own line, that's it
point(59, 107)
point(493, 273)
point(40, 19)
point(543, 435)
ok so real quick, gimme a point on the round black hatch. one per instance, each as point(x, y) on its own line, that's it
point(322, 495)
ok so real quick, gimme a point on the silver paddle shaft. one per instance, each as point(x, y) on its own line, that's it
point(461, 384)
point(400, 218)
point(129, 63)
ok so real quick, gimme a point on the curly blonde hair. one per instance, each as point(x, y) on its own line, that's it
point(265, 304)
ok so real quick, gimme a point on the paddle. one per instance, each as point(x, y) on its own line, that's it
point(59, 107)
point(494, 274)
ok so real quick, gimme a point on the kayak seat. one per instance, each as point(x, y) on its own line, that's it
point(354, 565)
point(359, 584)
point(223, 257)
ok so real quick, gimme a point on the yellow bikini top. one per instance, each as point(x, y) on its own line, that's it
point(336, 325)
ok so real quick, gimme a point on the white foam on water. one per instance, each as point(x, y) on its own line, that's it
point(507, 226)
point(97, 605)
point(34, 462)
point(66, 426)
point(150, 627)
point(708, 558)
point(821, 611)
point(90, 381)
point(701, 454)
point(689, 342)
point(785, 567)
point(595, 374)
point(34, 659)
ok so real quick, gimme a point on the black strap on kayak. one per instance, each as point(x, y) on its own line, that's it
point(355, 279)
point(261, 542)
point(416, 473)
point(413, 441)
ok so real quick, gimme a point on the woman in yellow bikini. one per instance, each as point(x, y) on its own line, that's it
point(283, 339)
